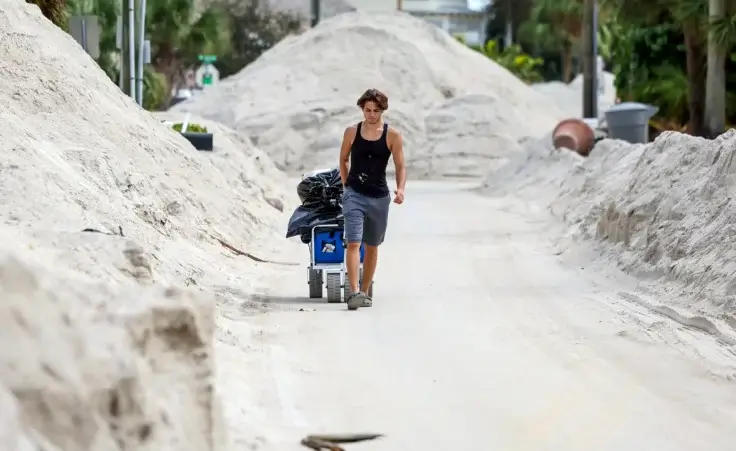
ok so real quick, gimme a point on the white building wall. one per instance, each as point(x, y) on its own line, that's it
point(435, 5)
point(408, 5)
point(378, 6)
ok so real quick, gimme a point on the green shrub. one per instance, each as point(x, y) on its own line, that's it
point(521, 64)
point(191, 128)
point(155, 88)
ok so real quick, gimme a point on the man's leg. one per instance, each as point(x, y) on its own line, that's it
point(374, 232)
point(354, 213)
point(353, 264)
point(370, 261)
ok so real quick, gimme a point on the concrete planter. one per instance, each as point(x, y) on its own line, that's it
point(200, 141)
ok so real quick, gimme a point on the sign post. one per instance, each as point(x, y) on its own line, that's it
point(207, 74)
point(86, 31)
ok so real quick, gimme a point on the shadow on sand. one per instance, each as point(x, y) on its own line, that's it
point(291, 300)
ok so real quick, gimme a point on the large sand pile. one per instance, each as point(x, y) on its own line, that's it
point(459, 111)
point(569, 97)
point(98, 349)
point(664, 211)
point(328, 8)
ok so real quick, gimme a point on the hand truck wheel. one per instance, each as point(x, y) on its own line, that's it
point(315, 283)
point(334, 287)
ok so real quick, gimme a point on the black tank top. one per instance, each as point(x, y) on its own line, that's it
point(368, 161)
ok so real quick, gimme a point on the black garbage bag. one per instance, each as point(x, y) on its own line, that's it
point(305, 233)
point(321, 190)
point(304, 219)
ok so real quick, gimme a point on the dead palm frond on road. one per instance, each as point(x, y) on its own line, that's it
point(333, 442)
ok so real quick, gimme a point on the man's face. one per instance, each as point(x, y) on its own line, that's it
point(372, 113)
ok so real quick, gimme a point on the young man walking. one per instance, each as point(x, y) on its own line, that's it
point(364, 154)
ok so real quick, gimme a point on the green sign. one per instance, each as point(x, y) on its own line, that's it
point(208, 59)
point(207, 79)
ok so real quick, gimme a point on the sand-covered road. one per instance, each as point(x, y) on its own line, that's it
point(480, 338)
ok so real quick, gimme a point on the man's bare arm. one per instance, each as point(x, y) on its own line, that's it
point(397, 151)
point(347, 142)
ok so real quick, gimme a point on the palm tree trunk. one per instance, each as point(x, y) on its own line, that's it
point(167, 63)
point(715, 88)
point(567, 61)
point(696, 60)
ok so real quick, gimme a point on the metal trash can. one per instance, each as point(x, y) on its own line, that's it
point(629, 121)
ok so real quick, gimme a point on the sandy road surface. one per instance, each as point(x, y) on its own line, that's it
point(480, 339)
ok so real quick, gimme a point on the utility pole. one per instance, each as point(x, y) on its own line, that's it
point(131, 68)
point(316, 12)
point(126, 44)
point(590, 60)
point(508, 39)
point(143, 58)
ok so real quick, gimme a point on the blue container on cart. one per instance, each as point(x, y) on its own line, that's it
point(329, 248)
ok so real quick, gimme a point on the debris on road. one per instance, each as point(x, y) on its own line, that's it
point(332, 442)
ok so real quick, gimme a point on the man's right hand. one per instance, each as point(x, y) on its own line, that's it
point(399, 196)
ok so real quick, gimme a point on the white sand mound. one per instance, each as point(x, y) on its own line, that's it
point(246, 165)
point(569, 97)
point(664, 211)
point(469, 129)
point(101, 364)
point(97, 352)
point(298, 97)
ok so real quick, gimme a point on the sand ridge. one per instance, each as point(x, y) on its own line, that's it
point(661, 211)
point(107, 335)
point(459, 111)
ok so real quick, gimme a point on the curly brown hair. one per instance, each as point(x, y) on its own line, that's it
point(375, 96)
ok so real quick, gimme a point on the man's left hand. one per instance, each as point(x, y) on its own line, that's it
point(399, 196)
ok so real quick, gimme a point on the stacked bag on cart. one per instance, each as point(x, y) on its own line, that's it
point(321, 195)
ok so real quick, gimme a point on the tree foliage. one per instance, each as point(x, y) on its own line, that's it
point(236, 31)
point(253, 30)
point(180, 31)
point(503, 13)
point(512, 58)
point(659, 51)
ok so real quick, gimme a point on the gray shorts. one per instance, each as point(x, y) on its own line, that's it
point(366, 217)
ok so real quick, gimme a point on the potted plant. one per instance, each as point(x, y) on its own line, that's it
point(196, 134)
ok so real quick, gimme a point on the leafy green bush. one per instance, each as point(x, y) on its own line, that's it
point(665, 86)
point(191, 128)
point(155, 89)
point(513, 59)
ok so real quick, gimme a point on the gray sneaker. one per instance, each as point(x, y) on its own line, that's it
point(356, 300)
point(367, 301)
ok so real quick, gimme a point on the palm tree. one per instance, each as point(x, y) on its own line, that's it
point(179, 31)
point(721, 37)
point(505, 18)
point(557, 23)
point(688, 14)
